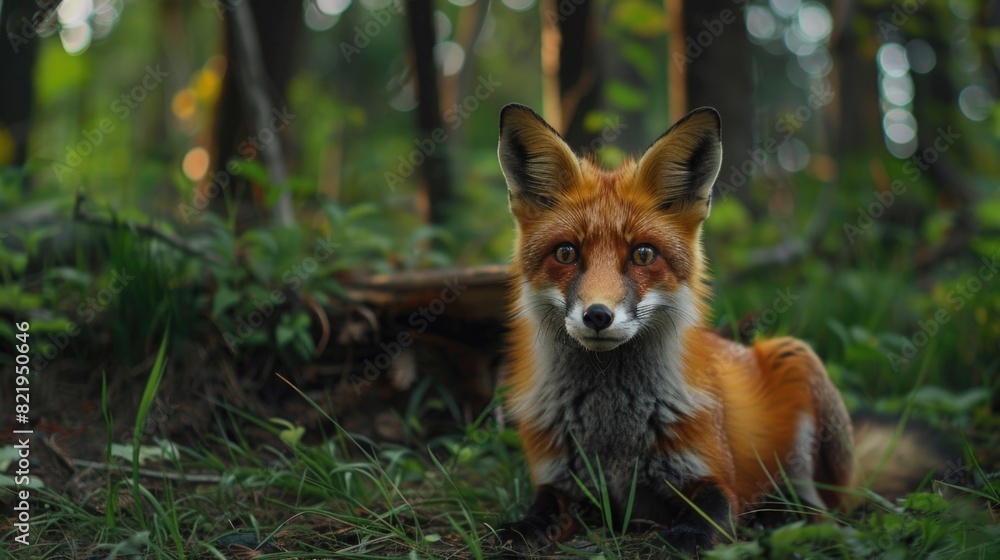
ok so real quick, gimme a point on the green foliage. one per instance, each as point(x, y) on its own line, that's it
point(350, 497)
point(898, 335)
point(16, 298)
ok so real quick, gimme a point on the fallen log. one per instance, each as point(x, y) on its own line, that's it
point(401, 328)
point(480, 292)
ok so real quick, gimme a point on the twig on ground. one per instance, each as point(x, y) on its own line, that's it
point(80, 216)
point(149, 473)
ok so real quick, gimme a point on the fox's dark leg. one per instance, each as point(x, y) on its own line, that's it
point(548, 520)
point(688, 530)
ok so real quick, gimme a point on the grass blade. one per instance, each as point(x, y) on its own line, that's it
point(140, 419)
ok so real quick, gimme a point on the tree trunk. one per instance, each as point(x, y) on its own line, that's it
point(435, 173)
point(276, 26)
point(856, 86)
point(570, 68)
point(720, 74)
point(18, 52)
point(579, 72)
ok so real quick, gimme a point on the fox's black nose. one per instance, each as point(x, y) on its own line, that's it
point(598, 317)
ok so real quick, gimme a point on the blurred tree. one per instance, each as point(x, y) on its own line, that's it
point(855, 106)
point(435, 174)
point(579, 73)
point(717, 54)
point(469, 28)
point(20, 20)
point(261, 52)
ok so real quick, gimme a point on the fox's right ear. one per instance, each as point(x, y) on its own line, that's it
point(682, 165)
point(536, 161)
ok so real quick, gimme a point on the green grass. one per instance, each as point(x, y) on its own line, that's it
point(259, 486)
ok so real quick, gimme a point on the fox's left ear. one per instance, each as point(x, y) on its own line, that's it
point(538, 165)
point(681, 166)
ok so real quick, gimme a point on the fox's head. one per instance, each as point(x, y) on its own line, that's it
point(606, 255)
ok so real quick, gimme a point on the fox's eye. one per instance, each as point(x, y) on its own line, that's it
point(566, 254)
point(643, 255)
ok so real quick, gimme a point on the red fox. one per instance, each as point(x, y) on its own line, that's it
point(611, 360)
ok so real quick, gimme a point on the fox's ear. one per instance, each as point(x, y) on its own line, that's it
point(681, 166)
point(536, 162)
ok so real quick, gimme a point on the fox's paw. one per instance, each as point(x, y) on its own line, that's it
point(689, 539)
point(525, 536)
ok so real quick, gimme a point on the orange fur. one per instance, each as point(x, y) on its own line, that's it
point(740, 414)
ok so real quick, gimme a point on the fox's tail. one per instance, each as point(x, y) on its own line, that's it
point(893, 462)
point(889, 461)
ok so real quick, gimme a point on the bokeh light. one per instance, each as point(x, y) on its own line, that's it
point(818, 63)
point(761, 24)
point(317, 19)
point(898, 90)
point(80, 22)
point(814, 22)
point(333, 7)
point(962, 8)
point(209, 80)
point(892, 60)
point(519, 5)
point(920, 56)
point(797, 43)
point(75, 39)
point(900, 132)
point(786, 8)
point(184, 104)
point(793, 155)
point(404, 97)
point(105, 16)
point(450, 57)
point(442, 25)
point(195, 164)
point(74, 13)
point(976, 103)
